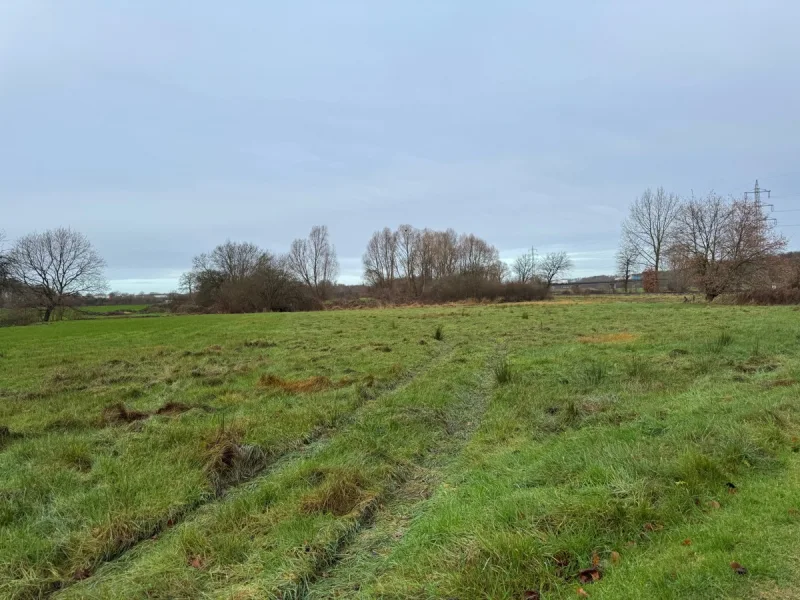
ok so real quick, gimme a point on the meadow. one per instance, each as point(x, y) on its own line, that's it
point(571, 448)
point(107, 308)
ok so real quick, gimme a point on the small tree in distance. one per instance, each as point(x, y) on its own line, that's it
point(552, 265)
point(724, 245)
point(627, 259)
point(649, 226)
point(313, 261)
point(4, 263)
point(56, 265)
point(524, 267)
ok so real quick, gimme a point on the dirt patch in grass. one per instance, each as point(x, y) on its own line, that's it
point(173, 408)
point(788, 382)
point(756, 364)
point(118, 413)
point(339, 494)
point(607, 338)
point(317, 383)
point(259, 344)
point(7, 436)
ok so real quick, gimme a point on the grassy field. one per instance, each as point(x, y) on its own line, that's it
point(113, 308)
point(609, 449)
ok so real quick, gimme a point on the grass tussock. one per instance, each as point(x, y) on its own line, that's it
point(438, 333)
point(228, 460)
point(592, 374)
point(502, 371)
point(721, 341)
point(339, 493)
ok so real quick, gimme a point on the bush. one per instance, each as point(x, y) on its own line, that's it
point(463, 287)
point(19, 316)
point(769, 296)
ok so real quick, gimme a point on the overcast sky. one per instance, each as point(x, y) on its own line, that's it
point(160, 129)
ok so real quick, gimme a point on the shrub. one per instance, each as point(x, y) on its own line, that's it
point(769, 296)
point(19, 316)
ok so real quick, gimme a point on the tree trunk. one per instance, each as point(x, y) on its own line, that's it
point(47, 312)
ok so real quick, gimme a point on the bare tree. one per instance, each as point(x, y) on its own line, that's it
point(552, 265)
point(478, 258)
point(187, 282)
point(313, 261)
point(627, 259)
point(56, 265)
point(5, 266)
point(380, 259)
point(649, 225)
point(444, 253)
point(524, 267)
point(724, 245)
point(235, 260)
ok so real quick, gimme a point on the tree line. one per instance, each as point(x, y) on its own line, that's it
point(420, 263)
point(711, 243)
point(58, 268)
point(715, 244)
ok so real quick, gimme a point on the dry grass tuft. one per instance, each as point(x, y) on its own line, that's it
point(318, 383)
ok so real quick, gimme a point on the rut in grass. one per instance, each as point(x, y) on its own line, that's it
point(230, 464)
point(362, 514)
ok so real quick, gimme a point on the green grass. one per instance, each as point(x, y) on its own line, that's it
point(114, 308)
point(355, 454)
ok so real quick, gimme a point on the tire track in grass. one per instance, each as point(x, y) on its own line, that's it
point(308, 445)
point(357, 542)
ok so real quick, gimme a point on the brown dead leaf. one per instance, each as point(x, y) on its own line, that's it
point(589, 575)
point(595, 559)
point(714, 504)
point(794, 512)
point(196, 562)
point(615, 558)
point(687, 542)
point(531, 595)
point(738, 569)
point(582, 593)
